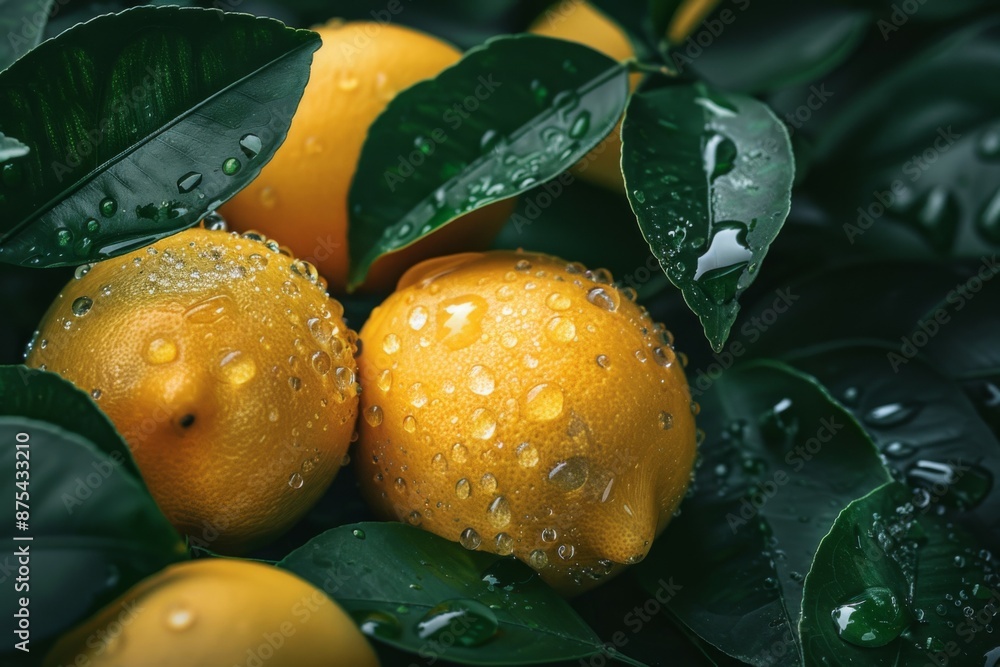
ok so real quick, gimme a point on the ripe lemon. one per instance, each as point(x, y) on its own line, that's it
point(522, 405)
point(301, 194)
point(578, 21)
point(217, 612)
point(227, 369)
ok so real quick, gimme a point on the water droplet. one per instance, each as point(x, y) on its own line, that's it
point(358, 533)
point(898, 450)
point(561, 329)
point(603, 361)
point(543, 402)
point(537, 559)
point(873, 618)
point(385, 380)
point(231, 166)
point(295, 383)
point(558, 301)
point(606, 298)
point(566, 551)
point(390, 344)
point(373, 415)
point(459, 321)
point(891, 414)
point(377, 624)
point(439, 462)
point(179, 618)
point(463, 489)
point(470, 539)
point(82, 305)
point(666, 420)
point(988, 223)
point(344, 378)
point(465, 622)
point(504, 544)
point(188, 182)
point(321, 362)
point(580, 125)
point(237, 368)
point(459, 453)
point(570, 474)
point(64, 237)
point(161, 351)
point(418, 318)
point(963, 488)
point(296, 481)
point(527, 455)
point(481, 381)
point(499, 512)
point(484, 423)
point(417, 395)
point(108, 207)
point(96, 394)
point(488, 482)
point(250, 144)
point(719, 156)
point(409, 423)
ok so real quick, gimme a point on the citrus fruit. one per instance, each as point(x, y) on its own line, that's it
point(217, 612)
point(522, 405)
point(227, 369)
point(577, 21)
point(301, 194)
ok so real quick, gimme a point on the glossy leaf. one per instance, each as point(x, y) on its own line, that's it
point(512, 113)
point(892, 586)
point(780, 459)
point(393, 579)
point(95, 529)
point(45, 396)
point(136, 137)
point(926, 428)
point(709, 176)
point(763, 46)
point(22, 24)
point(11, 148)
point(916, 172)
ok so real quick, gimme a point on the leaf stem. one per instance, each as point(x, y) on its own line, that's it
point(635, 65)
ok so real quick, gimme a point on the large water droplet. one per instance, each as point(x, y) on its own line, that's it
point(108, 207)
point(463, 489)
point(891, 414)
point(561, 329)
point(499, 512)
point(466, 622)
point(237, 368)
point(543, 402)
point(570, 474)
point(188, 182)
point(606, 298)
point(377, 624)
point(385, 380)
point(231, 166)
point(483, 424)
point(719, 155)
point(418, 318)
point(250, 144)
point(527, 455)
point(470, 539)
point(871, 619)
point(962, 485)
point(161, 351)
point(296, 480)
point(373, 415)
point(390, 344)
point(537, 559)
point(481, 381)
point(82, 305)
point(504, 544)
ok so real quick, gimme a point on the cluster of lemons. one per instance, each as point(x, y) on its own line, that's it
point(513, 402)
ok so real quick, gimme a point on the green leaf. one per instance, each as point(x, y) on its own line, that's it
point(400, 582)
point(11, 148)
point(764, 46)
point(779, 460)
point(95, 529)
point(34, 394)
point(136, 137)
point(22, 24)
point(926, 428)
point(709, 176)
point(915, 155)
point(512, 113)
point(907, 587)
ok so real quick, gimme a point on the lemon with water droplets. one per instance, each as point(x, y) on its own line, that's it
point(227, 369)
point(519, 404)
point(217, 612)
point(301, 194)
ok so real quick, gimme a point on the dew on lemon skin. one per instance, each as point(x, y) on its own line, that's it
point(488, 482)
point(538, 559)
point(504, 544)
point(543, 402)
point(484, 424)
point(570, 474)
point(499, 513)
point(527, 456)
point(161, 351)
point(666, 420)
point(481, 381)
point(390, 344)
point(236, 367)
point(470, 539)
point(463, 489)
point(384, 380)
point(459, 453)
point(373, 415)
point(296, 481)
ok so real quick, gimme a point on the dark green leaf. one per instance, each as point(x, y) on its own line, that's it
point(95, 530)
point(137, 136)
point(911, 164)
point(779, 461)
point(11, 148)
point(769, 45)
point(393, 579)
point(22, 24)
point(34, 394)
point(511, 114)
point(892, 585)
point(927, 429)
point(709, 175)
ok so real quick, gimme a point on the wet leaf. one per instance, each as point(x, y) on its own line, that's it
point(136, 137)
point(539, 105)
point(709, 175)
point(427, 595)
